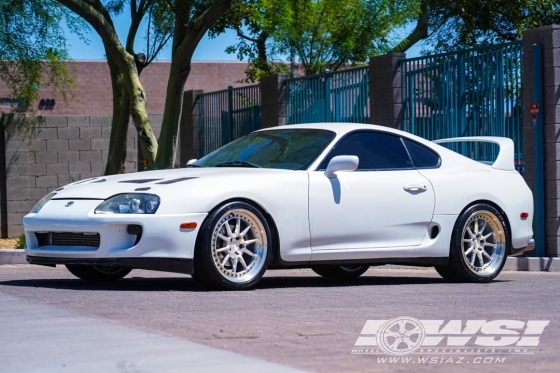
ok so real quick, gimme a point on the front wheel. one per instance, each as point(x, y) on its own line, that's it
point(234, 247)
point(479, 246)
point(97, 273)
point(340, 272)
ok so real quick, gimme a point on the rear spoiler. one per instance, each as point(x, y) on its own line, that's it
point(506, 154)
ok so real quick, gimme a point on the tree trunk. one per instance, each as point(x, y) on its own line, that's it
point(188, 33)
point(139, 114)
point(99, 18)
point(172, 112)
point(119, 124)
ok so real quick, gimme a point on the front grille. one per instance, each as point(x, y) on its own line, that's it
point(68, 239)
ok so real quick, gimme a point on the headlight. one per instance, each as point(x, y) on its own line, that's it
point(42, 203)
point(132, 203)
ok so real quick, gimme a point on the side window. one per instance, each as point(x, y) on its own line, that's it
point(376, 151)
point(422, 157)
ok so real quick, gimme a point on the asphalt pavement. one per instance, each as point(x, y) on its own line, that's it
point(159, 322)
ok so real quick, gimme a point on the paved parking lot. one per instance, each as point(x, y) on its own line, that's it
point(293, 317)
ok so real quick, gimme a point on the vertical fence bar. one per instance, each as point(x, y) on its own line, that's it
point(539, 153)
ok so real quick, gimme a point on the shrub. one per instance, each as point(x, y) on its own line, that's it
point(20, 243)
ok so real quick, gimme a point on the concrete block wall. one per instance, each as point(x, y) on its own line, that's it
point(61, 150)
point(385, 85)
point(549, 38)
point(273, 100)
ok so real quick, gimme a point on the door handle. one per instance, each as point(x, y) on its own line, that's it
point(415, 188)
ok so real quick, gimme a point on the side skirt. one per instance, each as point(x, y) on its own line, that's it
point(416, 262)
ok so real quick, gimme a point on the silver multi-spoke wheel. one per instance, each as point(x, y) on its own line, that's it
point(479, 245)
point(484, 243)
point(239, 245)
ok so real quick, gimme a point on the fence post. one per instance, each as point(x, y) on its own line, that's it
point(3, 190)
point(549, 38)
point(328, 76)
point(385, 84)
point(273, 100)
point(189, 127)
point(230, 115)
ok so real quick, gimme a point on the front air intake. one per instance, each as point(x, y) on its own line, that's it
point(69, 239)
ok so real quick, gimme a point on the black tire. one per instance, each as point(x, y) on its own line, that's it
point(98, 273)
point(215, 258)
point(472, 257)
point(340, 272)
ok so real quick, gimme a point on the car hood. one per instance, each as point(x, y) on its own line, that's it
point(155, 182)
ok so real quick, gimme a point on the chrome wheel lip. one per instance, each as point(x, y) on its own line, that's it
point(483, 243)
point(249, 258)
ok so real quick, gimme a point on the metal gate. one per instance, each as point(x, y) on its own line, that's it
point(471, 92)
point(227, 115)
point(340, 96)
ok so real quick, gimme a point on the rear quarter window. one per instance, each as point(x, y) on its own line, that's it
point(422, 157)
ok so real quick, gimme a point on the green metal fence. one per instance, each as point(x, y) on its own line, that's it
point(471, 92)
point(227, 115)
point(340, 96)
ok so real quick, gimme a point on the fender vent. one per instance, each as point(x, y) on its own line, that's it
point(434, 232)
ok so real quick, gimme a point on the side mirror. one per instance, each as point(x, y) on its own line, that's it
point(341, 163)
point(191, 161)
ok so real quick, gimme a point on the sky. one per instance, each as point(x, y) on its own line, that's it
point(208, 49)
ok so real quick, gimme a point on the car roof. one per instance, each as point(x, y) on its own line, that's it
point(339, 127)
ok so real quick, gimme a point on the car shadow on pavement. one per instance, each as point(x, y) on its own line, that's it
point(188, 284)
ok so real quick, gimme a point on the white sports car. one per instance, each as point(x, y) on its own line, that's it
point(335, 197)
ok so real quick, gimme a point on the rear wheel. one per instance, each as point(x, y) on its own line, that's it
point(340, 272)
point(98, 273)
point(234, 247)
point(478, 246)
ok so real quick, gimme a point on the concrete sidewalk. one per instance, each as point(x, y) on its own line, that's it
point(11, 256)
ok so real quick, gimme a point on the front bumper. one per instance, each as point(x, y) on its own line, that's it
point(177, 265)
point(161, 235)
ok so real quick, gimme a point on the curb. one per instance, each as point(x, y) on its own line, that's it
point(533, 264)
point(517, 264)
point(12, 256)
point(520, 264)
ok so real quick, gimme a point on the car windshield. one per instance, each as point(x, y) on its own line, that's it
point(289, 149)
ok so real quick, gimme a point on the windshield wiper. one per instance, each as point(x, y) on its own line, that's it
point(237, 164)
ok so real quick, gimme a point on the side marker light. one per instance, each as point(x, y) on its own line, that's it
point(189, 225)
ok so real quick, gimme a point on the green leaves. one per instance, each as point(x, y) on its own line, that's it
point(470, 23)
point(323, 34)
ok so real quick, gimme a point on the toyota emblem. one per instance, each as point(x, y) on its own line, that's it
point(68, 204)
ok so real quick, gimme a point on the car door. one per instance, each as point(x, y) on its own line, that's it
point(384, 203)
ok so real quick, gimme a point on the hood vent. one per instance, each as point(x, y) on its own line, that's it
point(176, 180)
point(139, 181)
point(99, 181)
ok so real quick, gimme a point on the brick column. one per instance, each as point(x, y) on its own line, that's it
point(273, 100)
point(188, 128)
point(549, 38)
point(385, 85)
